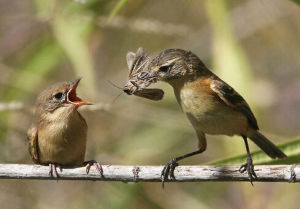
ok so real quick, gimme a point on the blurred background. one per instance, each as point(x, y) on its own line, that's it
point(253, 44)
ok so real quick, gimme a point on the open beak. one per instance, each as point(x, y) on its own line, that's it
point(72, 97)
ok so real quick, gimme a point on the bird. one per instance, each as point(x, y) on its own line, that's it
point(212, 106)
point(58, 135)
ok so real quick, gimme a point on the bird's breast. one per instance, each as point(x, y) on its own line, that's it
point(63, 141)
point(207, 113)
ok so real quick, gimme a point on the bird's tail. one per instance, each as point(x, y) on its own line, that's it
point(266, 145)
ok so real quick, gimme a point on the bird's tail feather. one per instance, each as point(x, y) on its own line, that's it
point(266, 145)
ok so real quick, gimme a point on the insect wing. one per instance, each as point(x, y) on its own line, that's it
point(152, 94)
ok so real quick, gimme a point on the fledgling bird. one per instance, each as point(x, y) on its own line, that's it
point(211, 105)
point(58, 135)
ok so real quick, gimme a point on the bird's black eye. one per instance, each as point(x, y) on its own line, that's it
point(164, 69)
point(58, 95)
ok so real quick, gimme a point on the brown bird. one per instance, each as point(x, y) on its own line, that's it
point(58, 135)
point(211, 105)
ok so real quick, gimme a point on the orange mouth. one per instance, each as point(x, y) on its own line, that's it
point(72, 97)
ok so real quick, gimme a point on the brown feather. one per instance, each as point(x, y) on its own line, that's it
point(233, 99)
point(32, 137)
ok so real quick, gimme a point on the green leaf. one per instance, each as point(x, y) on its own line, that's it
point(32, 73)
point(297, 1)
point(291, 149)
point(72, 32)
point(116, 9)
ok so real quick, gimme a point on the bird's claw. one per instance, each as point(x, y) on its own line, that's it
point(90, 163)
point(53, 170)
point(249, 167)
point(168, 171)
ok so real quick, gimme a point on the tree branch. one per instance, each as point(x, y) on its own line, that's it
point(265, 173)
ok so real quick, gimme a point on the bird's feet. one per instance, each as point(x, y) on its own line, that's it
point(53, 170)
point(168, 171)
point(249, 167)
point(90, 163)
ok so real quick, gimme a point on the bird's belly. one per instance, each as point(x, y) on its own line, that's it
point(218, 123)
point(211, 116)
point(62, 146)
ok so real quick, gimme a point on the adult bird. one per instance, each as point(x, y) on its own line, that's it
point(211, 105)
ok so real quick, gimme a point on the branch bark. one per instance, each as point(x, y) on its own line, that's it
point(265, 173)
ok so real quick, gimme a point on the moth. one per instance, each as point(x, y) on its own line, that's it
point(139, 78)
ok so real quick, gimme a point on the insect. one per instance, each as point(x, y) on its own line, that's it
point(139, 78)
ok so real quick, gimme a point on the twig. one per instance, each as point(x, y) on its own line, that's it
point(256, 11)
point(15, 105)
point(146, 26)
point(265, 173)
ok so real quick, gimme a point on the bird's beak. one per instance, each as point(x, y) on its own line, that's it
point(72, 97)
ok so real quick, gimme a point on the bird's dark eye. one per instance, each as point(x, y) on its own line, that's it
point(58, 95)
point(164, 69)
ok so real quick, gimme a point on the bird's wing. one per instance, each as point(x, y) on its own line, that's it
point(32, 137)
point(233, 99)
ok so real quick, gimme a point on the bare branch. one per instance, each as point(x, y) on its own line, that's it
point(265, 173)
point(15, 105)
point(146, 26)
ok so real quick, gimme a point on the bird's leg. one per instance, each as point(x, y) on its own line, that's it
point(248, 166)
point(88, 165)
point(53, 170)
point(168, 170)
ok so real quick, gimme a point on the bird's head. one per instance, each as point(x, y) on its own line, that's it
point(169, 65)
point(60, 99)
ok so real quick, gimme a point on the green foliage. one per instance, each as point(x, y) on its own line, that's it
point(71, 32)
point(47, 55)
point(117, 8)
point(290, 148)
point(297, 1)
